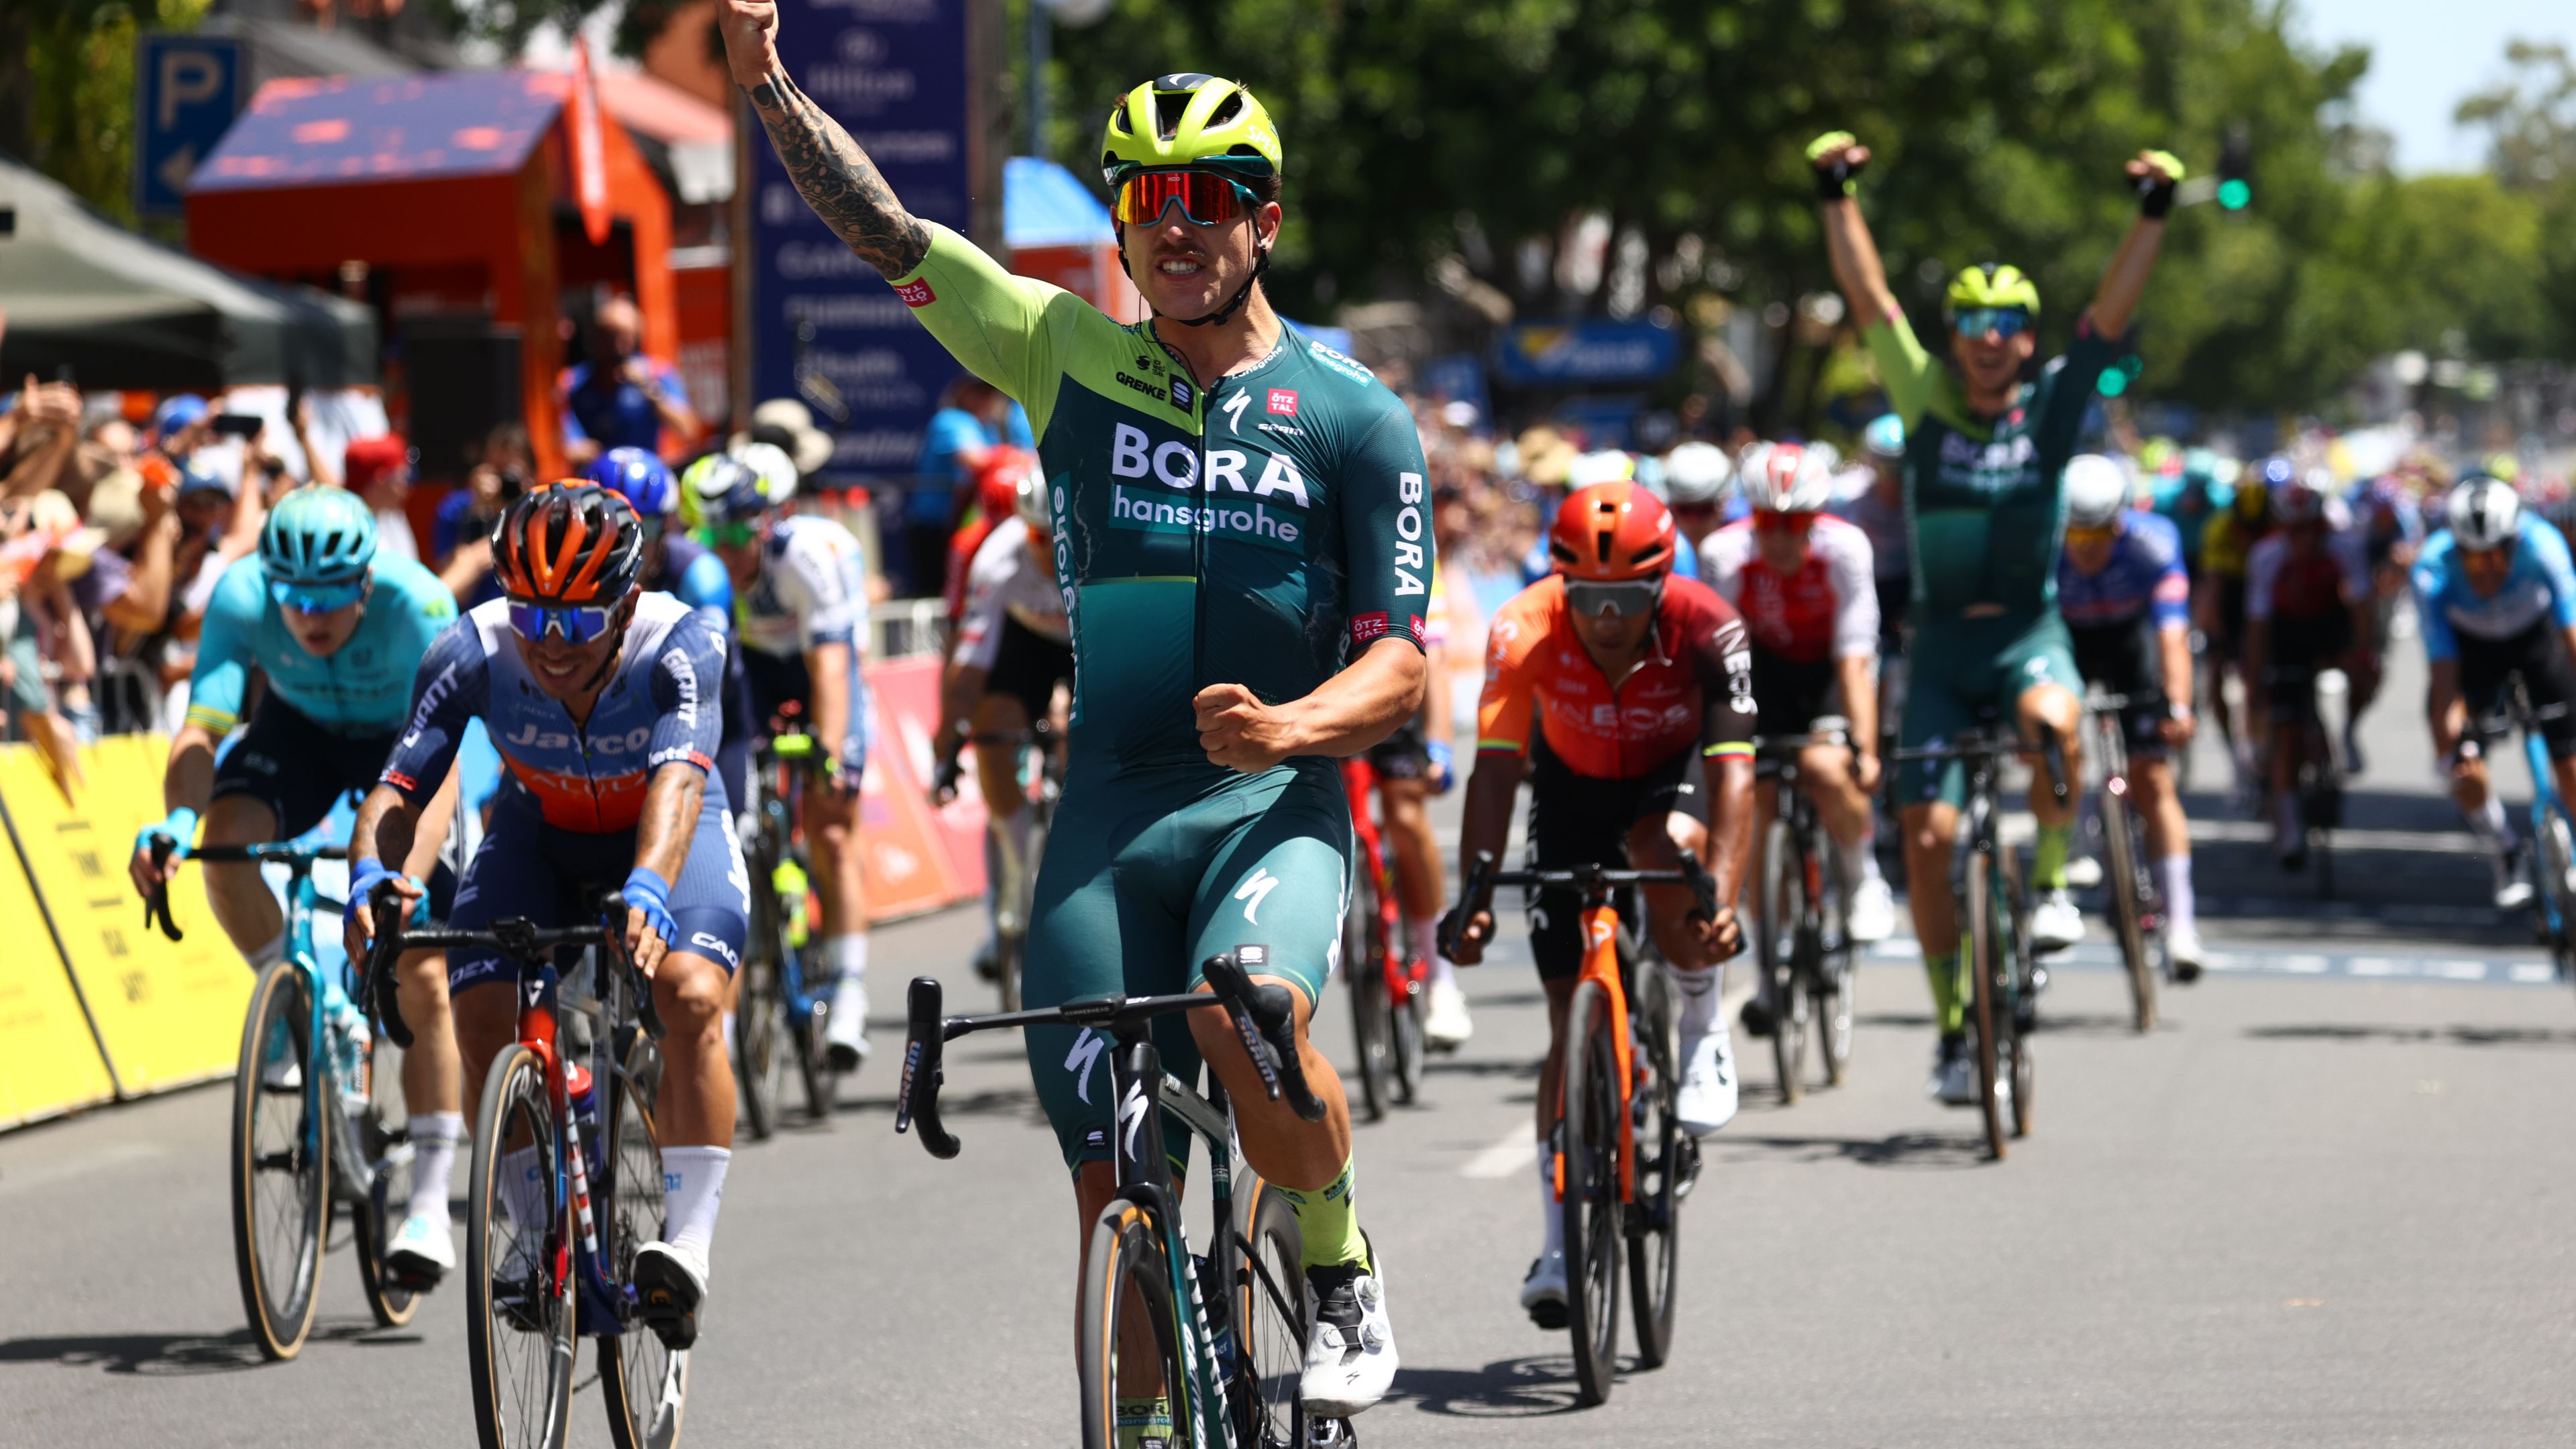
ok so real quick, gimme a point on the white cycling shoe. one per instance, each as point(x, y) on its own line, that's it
point(1708, 1094)
point(670, 1285)
point(1543, 1291)
point(1350, 1352)
point(2512, 883)
point(846, 1032)
point(1954, 1073)
point(421, 1250)
point(1873, 912)
point(1447, 1026)
point(2183, 950)
point(2055, 923)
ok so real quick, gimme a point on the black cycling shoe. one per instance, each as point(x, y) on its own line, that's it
point(668, 1289)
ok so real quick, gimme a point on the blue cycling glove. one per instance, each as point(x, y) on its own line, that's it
point(1444, 765)
point(646, 891)
point(364, 876)
point(181, 827)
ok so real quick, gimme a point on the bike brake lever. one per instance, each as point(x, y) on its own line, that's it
point(1475, 897)
point(612, 908)
point(1266, 1019)
point(156, 906)
point(385, 1003)
point(916, 1098)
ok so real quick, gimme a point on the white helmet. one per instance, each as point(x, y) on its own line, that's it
point(2097, 488)
point(1608, 465)
point(1785, 478)
point(777, 471)
point(1697, 473)
point(2484, 512)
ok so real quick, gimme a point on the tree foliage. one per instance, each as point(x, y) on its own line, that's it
point(78, 95)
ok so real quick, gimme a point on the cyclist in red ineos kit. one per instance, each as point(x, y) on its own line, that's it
point(1627, 695)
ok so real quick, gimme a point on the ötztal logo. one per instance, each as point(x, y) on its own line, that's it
point(916, 293)
point(1367, 627)
point(1283, 402)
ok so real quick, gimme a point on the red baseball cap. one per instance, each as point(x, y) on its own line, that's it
point(371, 458)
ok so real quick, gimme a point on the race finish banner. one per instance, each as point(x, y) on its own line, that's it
point(825, 328)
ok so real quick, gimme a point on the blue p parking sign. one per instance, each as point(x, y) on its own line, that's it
point(187, 89)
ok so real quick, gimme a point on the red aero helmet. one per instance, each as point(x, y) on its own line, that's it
point(568, 542)
point(1611, 532)
point(997, 480)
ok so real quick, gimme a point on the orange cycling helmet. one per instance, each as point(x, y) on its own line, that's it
point(568, 542)
point(997, 481)
point(1610, 533)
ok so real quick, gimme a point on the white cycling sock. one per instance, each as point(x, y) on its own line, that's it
point(2173, 880)
point(433, 1161)
point(692, 1187)
point(523, 1190)
point(1551, 1212)
point(1422, 938)
point(2491, 825)
point(849, 957)
point(1699, 1000)
point(1860, 860)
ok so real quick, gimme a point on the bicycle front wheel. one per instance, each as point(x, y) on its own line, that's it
point(1783, 907)
point(1836, 983)
point(1364, 961)
point(2128, 904)
point(644, 1385)
point(518, 1231)
point(1667, 1161)
point(1989, 1017)
point(281, 1162)
point(1594, 1216)
point(387, 1190)
point(1269, 1316)
point(759, 1056)
point(1128, 1343)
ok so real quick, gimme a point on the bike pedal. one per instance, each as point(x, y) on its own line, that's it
point(1331, 1434)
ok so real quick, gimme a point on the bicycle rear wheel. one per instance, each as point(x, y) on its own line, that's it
point(759, 1063)
point(813, 1047)
point(1988, 1017)
point(2128, 907)
point(1372, 1023)
point(1667, 1160)
point(2021, 989)
point(1269, 1316)
point(387, 1190)
point(281, 1162)
point(1594, 1216)
point(1784, 908)
point(1128, 1277)
point(644, 1386)
point(2556, 855)
point(518, 1229)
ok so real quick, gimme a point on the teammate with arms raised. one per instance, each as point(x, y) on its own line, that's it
point(1241, 536)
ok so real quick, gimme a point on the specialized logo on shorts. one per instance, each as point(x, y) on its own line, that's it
point(916, 293)
point(1283, 402)
point(1255, 889)
point(1086, 1050)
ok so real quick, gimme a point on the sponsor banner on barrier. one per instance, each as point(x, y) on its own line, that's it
point(168, 1012)
point(907, 693)
point(49, 1061)
point(908, 860)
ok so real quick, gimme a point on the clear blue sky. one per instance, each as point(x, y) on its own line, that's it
point(2427, 54)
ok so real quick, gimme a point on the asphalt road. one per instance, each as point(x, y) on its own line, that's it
point(2328, 1201)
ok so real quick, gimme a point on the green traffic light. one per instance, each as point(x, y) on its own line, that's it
point(2235, 195)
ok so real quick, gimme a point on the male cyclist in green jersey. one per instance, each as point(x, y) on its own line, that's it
point(1985, 452)
point(1241, 534)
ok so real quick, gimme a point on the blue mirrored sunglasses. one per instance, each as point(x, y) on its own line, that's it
point(2002, 321)
point(572, 623)
point(316, 598)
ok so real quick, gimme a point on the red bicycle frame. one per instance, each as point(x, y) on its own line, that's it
point(1403, 974)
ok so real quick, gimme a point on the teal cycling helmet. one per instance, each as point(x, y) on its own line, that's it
point(1885, 437)
point(318, 534)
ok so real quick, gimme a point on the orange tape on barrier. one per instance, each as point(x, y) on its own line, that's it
point(168, 1013)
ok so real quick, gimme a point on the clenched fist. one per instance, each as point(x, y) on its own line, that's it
point(750, 30)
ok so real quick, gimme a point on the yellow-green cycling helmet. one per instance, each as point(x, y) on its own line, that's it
point(1189, 120)
point(1991, 284)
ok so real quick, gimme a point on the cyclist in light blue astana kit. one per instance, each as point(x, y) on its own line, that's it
point(338, 630)
point(1242, 537)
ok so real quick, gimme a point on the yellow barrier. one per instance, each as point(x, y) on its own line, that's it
point(168, 1013)
point(48, 1058)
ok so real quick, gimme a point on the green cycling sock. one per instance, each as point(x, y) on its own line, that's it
point(1144, 1423)
point(1949, 992)
point(2048, 857)
point(1328, 1221)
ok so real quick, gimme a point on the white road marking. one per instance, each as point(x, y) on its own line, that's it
point(1514, 1153)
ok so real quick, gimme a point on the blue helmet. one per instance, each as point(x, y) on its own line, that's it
point(639, 477)
point(318, 535)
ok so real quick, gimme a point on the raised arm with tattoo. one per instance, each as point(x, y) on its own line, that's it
point(834, 176)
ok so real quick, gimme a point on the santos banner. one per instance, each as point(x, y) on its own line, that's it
point(167, 1013)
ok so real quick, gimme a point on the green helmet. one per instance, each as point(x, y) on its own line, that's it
point(1189, 120)
point(1991, 284)
point(317, 534)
